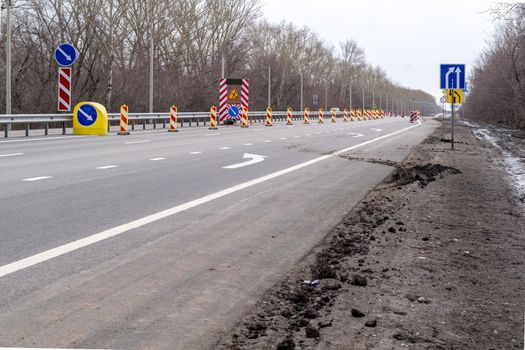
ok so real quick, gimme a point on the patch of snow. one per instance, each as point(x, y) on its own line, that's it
point(515, 166)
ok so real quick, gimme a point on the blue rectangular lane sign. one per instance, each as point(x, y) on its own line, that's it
point(452, 76)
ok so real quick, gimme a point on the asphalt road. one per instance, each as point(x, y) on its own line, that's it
point(147, 241)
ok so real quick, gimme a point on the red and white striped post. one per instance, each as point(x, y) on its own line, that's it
point(64, 89)
point(173, 119)
point(289, 116)
point(244, 118)
point(352, 115)
point(268, 116)
point(333, 116)
point(213, 118)
point(124, 120)
point(306, 115)
point(345, 116)
point(320, 120)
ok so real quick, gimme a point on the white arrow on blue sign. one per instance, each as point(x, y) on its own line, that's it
point(452, 76)
point(87, 115)
point(65, 54)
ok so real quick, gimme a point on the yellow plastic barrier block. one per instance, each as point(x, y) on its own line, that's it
point(90, 118)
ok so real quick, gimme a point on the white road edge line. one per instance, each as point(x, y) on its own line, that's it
point(31, 179)
point(10, 155)
point(107, 167)
point(42, 139)
point(115, 231)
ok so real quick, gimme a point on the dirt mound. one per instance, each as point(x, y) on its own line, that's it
point(424, 174)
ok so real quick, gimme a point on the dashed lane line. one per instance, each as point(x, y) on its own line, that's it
point(11, 155)
point(32, 179)
point(105, 167)
point(136, 142)
point(157, 159)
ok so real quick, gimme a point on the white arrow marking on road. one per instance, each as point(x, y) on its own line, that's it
point(88, 117)
point(254, 160)
point(450, 71)
point(69, 58)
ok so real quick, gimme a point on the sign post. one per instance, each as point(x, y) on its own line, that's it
point(452, 78)
point(65, 56)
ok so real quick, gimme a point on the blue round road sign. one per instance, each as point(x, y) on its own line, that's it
point(87, 115)
point(233, 111)
point(65, 55)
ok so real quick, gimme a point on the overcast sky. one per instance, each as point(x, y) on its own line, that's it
point(407, 38)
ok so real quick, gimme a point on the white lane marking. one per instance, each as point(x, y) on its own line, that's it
point(296, 137)
point(267, 141)
point(31, 179)
point(375, 129)
point(10, 155)
point(248, 144)
point(118, 230)
point(283, 138)
point(136, 142)
point(195, 152)
point(156, 159)
point(225, 148)
point(44, 138)
point(107, 167)
point(255, 158)
point(354, 134)
point(215, 134)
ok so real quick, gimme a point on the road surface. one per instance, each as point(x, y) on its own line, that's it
point(162, 240)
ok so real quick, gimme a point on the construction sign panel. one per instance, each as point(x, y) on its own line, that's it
point(231, 102)
point(455, 96)
point(233, 96)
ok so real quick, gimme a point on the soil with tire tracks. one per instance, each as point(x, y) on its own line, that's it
point(433, 258)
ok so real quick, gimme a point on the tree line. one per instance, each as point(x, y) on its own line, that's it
point(497, 86)
point(187, 41)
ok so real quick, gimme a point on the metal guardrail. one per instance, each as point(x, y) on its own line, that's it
point(135, 119)
point(44, 121)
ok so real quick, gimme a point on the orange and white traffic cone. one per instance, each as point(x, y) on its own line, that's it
point(173, 119)
point(124, 120)
point(213, 118)
point(289, 116)
point(268, 116)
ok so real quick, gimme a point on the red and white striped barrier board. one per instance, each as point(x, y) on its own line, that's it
point(213, 118)
point(289, 116)
point(244, 118)
point(306, 115)
point(269, 116)
point(173, 119)
point(64, 89)
point(124, 120)
point(223, 99)
point(245, 94)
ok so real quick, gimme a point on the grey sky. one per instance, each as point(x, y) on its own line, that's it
point(407, 38)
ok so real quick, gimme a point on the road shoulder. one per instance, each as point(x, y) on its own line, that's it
point(432, 258)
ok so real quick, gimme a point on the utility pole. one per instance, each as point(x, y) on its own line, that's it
point(363, 109)
point(350, 95)
point(326, 96)
point(302, 100)
point(222, 65)
point(269, 86)
point(380, 102)
point(373, 97)
point(8, 59)
point(152, 54)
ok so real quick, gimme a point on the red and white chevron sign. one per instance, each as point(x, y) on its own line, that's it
point(223, 99)
point(64, 89)
point(245, 94)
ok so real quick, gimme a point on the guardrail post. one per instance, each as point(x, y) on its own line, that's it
point(154, 123)
point(133, 125)
point(6, 130)
point(27, 129)
point(46, 128)
point(143, 125)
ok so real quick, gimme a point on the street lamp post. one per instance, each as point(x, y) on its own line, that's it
point(8, 59)
point(302, 95)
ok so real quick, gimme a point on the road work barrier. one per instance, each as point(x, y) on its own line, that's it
point(345, 116)
point(268, 116)
point(289, 116)
point(320, 120)
point(213, 118)
point(334, 120)
point(89, 118)
point(124, 120)
point(173, 119)
point(306, 116)
point(244, 118)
